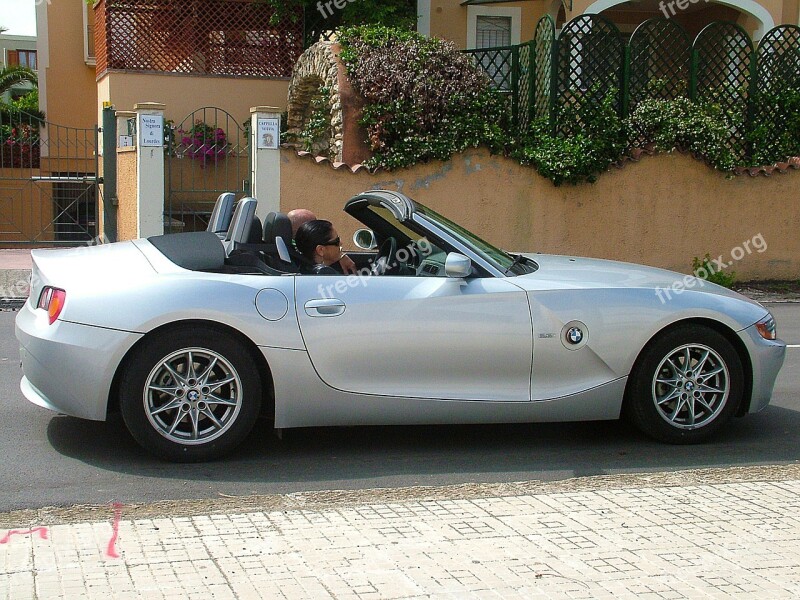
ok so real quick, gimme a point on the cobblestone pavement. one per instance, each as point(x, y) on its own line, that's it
point(710, 535)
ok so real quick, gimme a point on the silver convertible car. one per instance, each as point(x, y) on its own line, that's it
point(194, 336)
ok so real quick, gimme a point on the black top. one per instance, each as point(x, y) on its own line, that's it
point(195, 251)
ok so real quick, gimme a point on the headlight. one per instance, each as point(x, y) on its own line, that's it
point(766, 328)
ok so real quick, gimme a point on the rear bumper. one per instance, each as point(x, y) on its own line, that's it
point(35, 396)
point(767, 359)
point(69, 367)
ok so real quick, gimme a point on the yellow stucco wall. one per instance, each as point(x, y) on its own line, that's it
point(791, 12)
point(127, 211)
point(183, 95)
point(662, 211)
point(71, 91)
point(449, 19)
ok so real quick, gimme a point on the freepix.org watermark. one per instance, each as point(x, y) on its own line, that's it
point(326, 8)
point(715, 265)
point(414, 251)
point(681, 4)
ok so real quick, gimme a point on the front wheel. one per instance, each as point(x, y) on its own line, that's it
point(190, 394)
point(686, 384)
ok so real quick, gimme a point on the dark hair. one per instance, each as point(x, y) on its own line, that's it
point(310, 235)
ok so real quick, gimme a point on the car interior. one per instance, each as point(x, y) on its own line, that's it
point(236, 242)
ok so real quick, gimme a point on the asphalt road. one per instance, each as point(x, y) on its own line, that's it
point(50, 460)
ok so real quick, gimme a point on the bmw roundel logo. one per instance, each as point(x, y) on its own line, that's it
point(575, 335)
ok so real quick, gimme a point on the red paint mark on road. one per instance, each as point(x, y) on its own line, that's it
point(42, 531)
point(111, 550)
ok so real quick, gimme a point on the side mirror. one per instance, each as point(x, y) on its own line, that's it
point(457, 266)
point(365, 239)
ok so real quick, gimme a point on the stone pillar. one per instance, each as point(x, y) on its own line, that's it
point(265, 133)
point(150, 168)
point(127, 179)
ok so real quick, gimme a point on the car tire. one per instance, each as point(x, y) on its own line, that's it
point(686, 384)
point(184, 413)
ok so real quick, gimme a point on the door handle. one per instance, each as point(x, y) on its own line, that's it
point(324, 307)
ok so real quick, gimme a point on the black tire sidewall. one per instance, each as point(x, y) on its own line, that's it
point(639, 406)
point(159, 346)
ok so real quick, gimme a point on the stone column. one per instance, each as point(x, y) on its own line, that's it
point(150, 168)
point(265, 133)
point(127, 178)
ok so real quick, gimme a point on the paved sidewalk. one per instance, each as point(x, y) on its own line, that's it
point(19, 259)
point(647, 537)
point(15, 272)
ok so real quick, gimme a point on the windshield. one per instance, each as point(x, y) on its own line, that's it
point(500, 259)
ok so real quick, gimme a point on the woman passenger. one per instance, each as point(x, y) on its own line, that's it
point(319, 243)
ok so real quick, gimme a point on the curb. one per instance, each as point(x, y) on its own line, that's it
point(333, 499)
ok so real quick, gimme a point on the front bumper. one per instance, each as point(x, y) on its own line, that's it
point(69, 367)
point(767, 359)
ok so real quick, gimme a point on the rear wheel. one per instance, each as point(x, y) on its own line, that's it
point(685, 386)
point(190, 394)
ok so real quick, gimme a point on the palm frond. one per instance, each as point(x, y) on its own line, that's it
point(11, 76)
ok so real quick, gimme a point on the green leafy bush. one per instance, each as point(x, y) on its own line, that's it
point(401, 14)
point(316, 134)
point(776, 132)
point(397, 13)
point(424, 99)
point(705, 266)
point(703, 128)
point(28, 103)
point(599, 139)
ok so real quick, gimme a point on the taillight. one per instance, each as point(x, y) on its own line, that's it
point(52, 300)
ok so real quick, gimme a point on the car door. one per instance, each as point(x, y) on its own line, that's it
point(420, 337)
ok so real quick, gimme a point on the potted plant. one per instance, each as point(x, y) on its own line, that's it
point(204, 143)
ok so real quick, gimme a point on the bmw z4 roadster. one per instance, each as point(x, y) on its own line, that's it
point(194, 336)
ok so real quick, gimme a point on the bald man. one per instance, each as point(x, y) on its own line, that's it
point(298, 216)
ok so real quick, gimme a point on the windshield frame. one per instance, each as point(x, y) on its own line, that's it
point(499, 259)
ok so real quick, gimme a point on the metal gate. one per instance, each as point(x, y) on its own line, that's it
point(206, 154)
point(48, 182)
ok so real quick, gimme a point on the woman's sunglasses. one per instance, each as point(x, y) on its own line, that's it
point(336, 242)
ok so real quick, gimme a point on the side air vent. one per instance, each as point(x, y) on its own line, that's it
point(432, 269)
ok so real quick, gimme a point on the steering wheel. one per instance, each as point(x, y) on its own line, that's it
point(385, 262)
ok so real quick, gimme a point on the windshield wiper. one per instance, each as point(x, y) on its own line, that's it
point(518, 260)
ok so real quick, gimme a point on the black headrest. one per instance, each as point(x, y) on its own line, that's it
point(254, 237)
point(277, 225)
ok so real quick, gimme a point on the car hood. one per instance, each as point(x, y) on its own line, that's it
point(573, 272)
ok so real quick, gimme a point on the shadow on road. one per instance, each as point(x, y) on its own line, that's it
point(485, 453)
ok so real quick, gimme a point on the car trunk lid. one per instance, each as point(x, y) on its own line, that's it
point(82, 269)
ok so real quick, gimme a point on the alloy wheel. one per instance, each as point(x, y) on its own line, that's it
point(192, 396)
point(691, 386)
